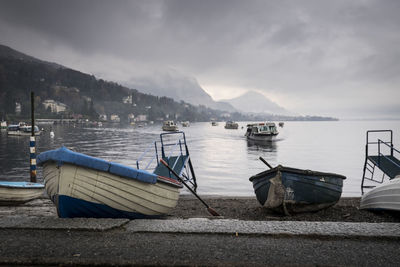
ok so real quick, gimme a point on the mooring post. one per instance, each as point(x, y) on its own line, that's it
point(32, 141)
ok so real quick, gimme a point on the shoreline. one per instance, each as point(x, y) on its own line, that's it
point(229, 207)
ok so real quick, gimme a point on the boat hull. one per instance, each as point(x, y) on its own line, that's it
point(261, 137)
point(19, 192)
point(383, 197)
point(83, 192)
point(289, 190)
point(170, 128)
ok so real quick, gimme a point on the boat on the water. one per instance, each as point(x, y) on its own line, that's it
point(22, 129)
point(85, 186)
point(214, 123)
point(290, 190)
point(3, 125)
point(19, 192)
point(170, 126)
point(231, 125)
point(263, 131)
point(185, 124)
point(281, 124)
point(383, 197)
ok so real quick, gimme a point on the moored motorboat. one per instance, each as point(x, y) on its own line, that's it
point(290, 190)
point(19, 192)
point(170, 126)
point(185, 124)
point(383, 197)
point(231, 125)
point(263, 131)
point(3, 125)
point(22, 129)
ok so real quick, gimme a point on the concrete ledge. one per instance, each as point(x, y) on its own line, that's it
point(51, 223)
point(295, 228)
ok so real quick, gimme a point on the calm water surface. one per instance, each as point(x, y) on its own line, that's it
point(223, 159)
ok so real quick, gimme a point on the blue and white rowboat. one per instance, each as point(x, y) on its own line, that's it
point(85, 186)
point(19, 192)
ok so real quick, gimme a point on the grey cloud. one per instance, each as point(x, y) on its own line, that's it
point(284, 47)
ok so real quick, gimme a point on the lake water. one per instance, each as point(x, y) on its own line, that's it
point(223, 159)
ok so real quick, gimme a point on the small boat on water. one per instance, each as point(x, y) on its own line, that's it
point(85, 186)
point(290, 190)
point(263, 131)
point(383, 197)
point(185, 124)
point(19, 192)
point(231, 125)
point(3, 125)
point(214, 123)
point(22, 129)
point(281, 124)
point(170, 126)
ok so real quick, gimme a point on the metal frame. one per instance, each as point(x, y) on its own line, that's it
point(370, 165)
point(178, 148)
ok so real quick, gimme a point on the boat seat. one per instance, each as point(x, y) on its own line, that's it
point(388, 164)
point(181, 161)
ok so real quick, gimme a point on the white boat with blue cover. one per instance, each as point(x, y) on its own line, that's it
point(85, 186)
point(19, 192)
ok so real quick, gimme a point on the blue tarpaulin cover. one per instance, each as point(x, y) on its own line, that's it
point(64, 155)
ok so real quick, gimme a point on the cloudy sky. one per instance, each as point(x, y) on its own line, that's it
point(335, 58)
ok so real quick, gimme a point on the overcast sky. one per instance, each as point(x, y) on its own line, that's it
point(334, 58)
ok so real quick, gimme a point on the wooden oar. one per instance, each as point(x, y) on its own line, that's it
point(209, 209)
point(266, 163)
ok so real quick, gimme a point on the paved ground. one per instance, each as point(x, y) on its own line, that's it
point(35, 236)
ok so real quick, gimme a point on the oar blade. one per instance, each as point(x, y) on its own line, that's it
point(212, 212)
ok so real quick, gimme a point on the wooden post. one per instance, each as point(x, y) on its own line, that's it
point(32, 141)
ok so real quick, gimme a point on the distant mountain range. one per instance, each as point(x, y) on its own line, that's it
point(254, 102)
point(188, 89)
point(179, 87)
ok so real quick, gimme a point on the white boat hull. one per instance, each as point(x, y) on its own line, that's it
point(19, 192)
point(261, 138)
point(99, 191)
point(170, 128)
point(383, 197)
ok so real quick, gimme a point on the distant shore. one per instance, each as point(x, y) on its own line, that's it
point(241, 208)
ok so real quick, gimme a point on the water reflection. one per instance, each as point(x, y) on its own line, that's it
point(266, 146)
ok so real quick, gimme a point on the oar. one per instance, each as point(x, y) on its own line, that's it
point(209, 209)
point(266, 163)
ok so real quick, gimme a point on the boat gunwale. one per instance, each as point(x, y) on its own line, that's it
point(295, 171)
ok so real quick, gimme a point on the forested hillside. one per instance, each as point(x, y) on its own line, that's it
point(82, 93)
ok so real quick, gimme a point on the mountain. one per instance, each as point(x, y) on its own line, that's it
point(253, 102)
point(84, 94)
point(178, 87)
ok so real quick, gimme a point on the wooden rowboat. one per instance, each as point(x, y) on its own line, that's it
point(85, 186)
point(289, 190)
point(19, 192)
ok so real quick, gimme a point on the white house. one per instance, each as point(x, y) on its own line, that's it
point(115, 118)
point(56, 107)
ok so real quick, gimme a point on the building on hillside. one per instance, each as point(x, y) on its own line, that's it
point(131, 117)
point(127, 99)
point(103, 117)
point(114, 118)
point(18, 108)
point(55, 107)
point(141, 118)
